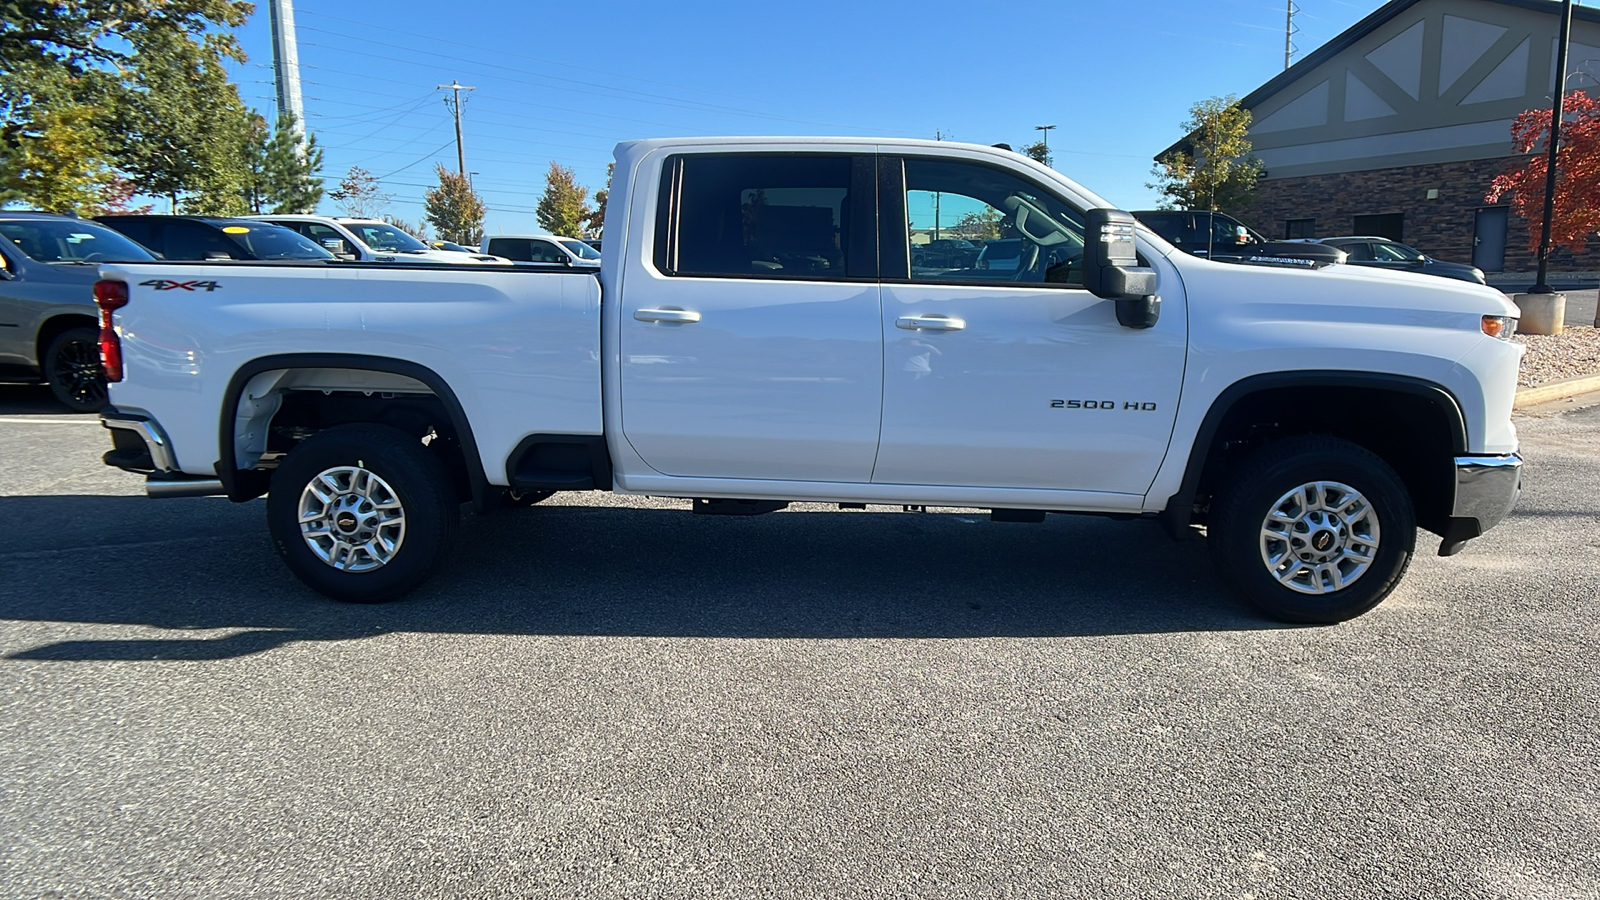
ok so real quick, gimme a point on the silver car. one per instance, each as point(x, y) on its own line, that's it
point(49, 325)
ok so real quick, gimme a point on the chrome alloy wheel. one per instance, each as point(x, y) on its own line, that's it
point(352, 519)
point(1319, 537)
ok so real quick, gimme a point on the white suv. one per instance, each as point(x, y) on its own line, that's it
point(372, 240)
point(543, 248)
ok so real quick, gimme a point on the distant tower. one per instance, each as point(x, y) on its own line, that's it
point(286, 64)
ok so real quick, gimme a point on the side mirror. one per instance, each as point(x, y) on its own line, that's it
point(1111, 268)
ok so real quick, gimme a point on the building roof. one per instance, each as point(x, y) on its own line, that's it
point(1356, 32)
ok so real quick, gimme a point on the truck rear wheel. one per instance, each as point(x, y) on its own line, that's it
point(1313, 530)
point(362, 513)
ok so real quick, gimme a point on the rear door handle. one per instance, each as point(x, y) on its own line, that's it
point(930, 323)
point(668, 314)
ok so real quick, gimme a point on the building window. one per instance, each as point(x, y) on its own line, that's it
point(1385, 225)
point(1300, 228)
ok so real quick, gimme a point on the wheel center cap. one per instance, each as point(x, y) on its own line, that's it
point(1322, 541)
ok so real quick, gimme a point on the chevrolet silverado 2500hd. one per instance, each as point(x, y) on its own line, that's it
point(761, 331)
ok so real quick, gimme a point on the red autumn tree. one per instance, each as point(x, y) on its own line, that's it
point(1577, 208)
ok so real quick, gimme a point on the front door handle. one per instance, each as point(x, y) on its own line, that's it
point(668, 314)
point(930, 323)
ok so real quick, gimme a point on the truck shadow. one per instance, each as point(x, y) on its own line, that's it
point(32, 399)
point(207, 566)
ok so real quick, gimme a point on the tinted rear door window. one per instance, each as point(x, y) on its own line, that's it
point(762, 216)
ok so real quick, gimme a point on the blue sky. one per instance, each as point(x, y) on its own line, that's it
point(566, 82)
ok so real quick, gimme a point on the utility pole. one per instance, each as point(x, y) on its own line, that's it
point(286, 64)
point(1288, 32)
point(455, 106)
point(1044, 138)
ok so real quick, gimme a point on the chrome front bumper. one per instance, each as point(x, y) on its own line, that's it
point(1486, 490)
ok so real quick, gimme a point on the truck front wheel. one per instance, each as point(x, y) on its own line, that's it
point(362, 513)
point(1313, 530)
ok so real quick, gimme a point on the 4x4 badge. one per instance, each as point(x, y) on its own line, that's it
point(167, 284)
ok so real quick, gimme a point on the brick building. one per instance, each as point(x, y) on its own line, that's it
point(1397, 126)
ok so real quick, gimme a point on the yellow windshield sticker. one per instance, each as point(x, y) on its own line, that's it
point(236, 229)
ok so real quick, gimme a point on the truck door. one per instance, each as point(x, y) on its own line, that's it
point(1014, 376)
point(751, 345)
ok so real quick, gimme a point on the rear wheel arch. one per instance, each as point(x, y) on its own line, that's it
point(1416, 426)
point(408, 415)
point(54, 327)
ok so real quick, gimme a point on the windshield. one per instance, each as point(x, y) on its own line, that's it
point(264, 241)
point(71, 241)
point(1395, 253)
point(580, 249)
point(381, 236)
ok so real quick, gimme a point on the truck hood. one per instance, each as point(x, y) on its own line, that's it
point(1353, 287)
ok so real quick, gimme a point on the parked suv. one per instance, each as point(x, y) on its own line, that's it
point(542, 248)
point(1200, 232)
point(1382, 253)
point(49, 325)
point(214, 238)
point(372, 240)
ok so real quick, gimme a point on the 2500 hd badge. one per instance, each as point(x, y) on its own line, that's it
point(1102, 404)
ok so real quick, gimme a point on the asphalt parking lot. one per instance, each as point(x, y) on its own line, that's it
point(606, 697)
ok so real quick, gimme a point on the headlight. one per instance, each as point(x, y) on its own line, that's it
point(1502, 327)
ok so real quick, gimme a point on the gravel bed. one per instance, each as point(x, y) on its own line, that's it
point(1574, 352)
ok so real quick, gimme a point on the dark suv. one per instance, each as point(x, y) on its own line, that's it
point(49, 325)
point(1200, 232)
point(214, 238)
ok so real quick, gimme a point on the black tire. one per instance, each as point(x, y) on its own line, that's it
point(510, 499)
point(1324, 550)
point(406, 471)
point(72, 367)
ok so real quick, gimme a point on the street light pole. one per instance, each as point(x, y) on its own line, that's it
point(1044, 138)
point(1540, 286)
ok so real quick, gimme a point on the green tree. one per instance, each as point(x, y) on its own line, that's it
point(595, 224)
point(81, 35)
point(359, 195)
point(982, 225)
point(563, 208)
point(1038, 151)
point(289, 167)
point(54, 163)
point(1213, 169)
point(454, 209)
point(186, 130)
point(72, 70)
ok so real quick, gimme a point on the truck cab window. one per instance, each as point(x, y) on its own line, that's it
point(763, 216)
point(970, 222)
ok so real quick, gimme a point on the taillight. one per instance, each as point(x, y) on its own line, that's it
point(110, 296)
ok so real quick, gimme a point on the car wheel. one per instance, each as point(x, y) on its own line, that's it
point(362, 513)
point(1313, 530)
point(72, 367)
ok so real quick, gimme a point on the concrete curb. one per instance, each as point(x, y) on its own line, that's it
point(1556, 390)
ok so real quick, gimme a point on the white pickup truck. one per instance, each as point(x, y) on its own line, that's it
point(759, 333)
